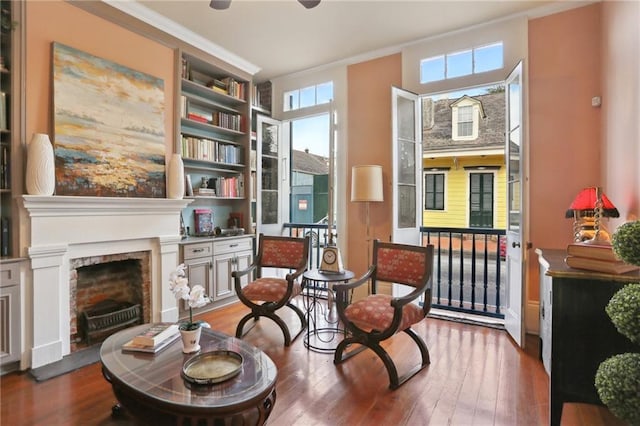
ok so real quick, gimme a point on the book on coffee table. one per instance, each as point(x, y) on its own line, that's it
point(156, 333)
point(131, 346)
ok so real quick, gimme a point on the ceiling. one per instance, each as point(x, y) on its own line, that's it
point(282, 37)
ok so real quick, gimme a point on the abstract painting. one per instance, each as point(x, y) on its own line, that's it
point(109, 128)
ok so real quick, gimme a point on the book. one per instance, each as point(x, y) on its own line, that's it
point(203, 221)
point(156, 333)
point(592, 251)
point(131, 346)
point(608, 266)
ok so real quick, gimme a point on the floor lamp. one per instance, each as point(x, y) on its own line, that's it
point(366, 186)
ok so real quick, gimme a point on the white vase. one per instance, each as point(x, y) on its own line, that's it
point(40, 172)
point(176, 177)
point(190, 340)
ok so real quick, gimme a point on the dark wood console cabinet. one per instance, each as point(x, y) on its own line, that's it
point(576, 332)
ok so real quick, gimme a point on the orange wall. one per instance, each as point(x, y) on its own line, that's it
point(564, 129)
point(621, 107)
point(50, 21)
point(369, 135)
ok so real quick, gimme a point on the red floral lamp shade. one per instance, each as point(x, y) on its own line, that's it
point(585, 202)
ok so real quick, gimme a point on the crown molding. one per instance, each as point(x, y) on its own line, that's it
point(141, 12)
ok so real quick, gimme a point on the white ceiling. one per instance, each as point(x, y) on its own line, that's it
point(282, 37)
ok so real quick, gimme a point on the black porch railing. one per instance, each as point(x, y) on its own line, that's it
point(469, 268)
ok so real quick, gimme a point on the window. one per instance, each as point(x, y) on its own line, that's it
point(481, 200)
point(465, 121)
point(308, 96)
point(433, 191)
point(460, 63)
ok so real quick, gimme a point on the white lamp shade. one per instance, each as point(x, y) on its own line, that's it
point(366, 183)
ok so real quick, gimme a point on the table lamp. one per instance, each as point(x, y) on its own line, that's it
point(587, 210)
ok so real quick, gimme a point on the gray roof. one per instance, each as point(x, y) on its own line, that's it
point(490, 130)
point(308, 163)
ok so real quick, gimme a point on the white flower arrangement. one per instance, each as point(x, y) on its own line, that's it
point(195, 296)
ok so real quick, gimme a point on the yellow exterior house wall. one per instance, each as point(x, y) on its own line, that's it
point(456, 212)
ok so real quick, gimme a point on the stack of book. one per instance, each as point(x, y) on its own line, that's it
point(153, 339)
point(596, 257)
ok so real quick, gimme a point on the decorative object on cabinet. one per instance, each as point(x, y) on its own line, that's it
point(204, 222)
point(378, 317)
point(176, 177)
point(366, 186)
point(624, 311)
point(287, 254)
point(618, 377)
point(626, 242)
point(587, 210)
point(40, 173)
point(107, 144)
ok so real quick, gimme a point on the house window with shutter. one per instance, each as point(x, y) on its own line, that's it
point(481, 200)
point(434, 187)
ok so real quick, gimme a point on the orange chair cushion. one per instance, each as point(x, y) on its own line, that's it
point(375, 312)
point(282, 253)
point(399, 265)
point(269, 289)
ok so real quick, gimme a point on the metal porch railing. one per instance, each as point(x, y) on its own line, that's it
point(469, 268)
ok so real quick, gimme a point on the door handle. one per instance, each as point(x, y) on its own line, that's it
point(515, 244)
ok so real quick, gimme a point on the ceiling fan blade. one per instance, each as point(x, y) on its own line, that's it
point(309, 4)
point(220, 4)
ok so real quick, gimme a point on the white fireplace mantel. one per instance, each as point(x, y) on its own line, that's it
point(61, 228)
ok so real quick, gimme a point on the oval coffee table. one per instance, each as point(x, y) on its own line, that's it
point(150, 386)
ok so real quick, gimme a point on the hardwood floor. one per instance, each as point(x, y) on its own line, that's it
point(477, 376)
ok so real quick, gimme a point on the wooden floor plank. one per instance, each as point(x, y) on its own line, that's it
point(476, 376)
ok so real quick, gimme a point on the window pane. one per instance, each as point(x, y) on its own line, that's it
point(291, 100)
point(459, 64)
point(307, 97)
point(406, 206)
point(432, 69)
point(488, 58)
point(465, 129)
point(324, 92)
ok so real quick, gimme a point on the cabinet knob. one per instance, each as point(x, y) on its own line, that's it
point(515, 244)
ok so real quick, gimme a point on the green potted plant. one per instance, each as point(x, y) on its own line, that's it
point(618, 385)
point(626, 242)
point(618, 377)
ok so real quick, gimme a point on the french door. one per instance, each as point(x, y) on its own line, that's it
point(514, 150)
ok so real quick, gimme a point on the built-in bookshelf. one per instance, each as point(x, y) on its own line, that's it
point(7, 29)
point(214, 139)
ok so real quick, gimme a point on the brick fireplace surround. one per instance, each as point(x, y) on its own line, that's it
point(60, 229)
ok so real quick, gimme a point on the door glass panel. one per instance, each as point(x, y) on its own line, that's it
point(406, 119)
point(406, 206)
point(270, 174)
point(514, 156)
point(407, 164)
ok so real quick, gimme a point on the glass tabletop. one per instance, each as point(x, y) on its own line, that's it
point(158, 376)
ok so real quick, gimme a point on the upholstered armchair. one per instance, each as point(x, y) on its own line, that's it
point(377, 317)
point(265, 295)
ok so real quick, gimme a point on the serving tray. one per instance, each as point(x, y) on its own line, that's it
point(212, 367)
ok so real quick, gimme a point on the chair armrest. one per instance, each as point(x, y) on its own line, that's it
point(408, 298)
point(249, 269)
point(342, 287)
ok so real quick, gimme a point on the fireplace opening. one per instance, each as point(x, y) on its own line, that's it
point(108, 293)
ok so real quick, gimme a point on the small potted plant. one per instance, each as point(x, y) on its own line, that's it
point(196, 298)
point(618, 377)
point(626, 242)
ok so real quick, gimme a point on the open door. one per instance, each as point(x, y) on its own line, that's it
point(407, 166)
point(407, 172)
point(272, 176)
point(515, 140)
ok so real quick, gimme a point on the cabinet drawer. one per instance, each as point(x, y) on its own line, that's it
point(9, 274)
point(234, 245)
point(192, 251)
